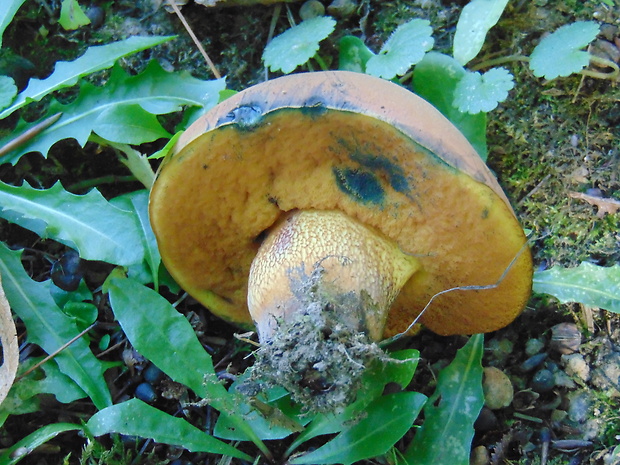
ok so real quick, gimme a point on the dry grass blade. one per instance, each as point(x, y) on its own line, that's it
point(177, 11)
point(9, 347)
point(29, 134)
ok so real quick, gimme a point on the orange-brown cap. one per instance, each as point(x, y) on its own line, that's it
point(343, 141)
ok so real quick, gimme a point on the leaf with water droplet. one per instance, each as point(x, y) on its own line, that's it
point(588, 284)
point(405, 47)
point(477, 92)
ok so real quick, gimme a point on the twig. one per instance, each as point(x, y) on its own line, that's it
point(56, 352)
point(94, 182)
point(29, 134)
point(500, 61)
point(245, 337)
point(189, 30)
point(533, 191)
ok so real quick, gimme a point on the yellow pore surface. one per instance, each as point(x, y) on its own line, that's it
point(214, 199)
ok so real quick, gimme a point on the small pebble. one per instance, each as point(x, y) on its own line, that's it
point(606, 374)
point(96, 14)
point(543, 381)
point(609, 31)
point(480, 456)
point(533, 362)
point(607, 50)
point(342, 8)
point(146, 393)
point(152, 374)
point(311, 9)
point(68, 271)
point(497, 387)
point(579, 406)
point(558, 416)
point(576, 365)
point(592, 429)
point(561, 379)
point(534, 346)
point(486, 421)
point(500, 349)
point(565, 338)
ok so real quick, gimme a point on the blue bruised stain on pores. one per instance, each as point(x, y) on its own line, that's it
point(246, 117)
point(362, 185)
point(380, 164)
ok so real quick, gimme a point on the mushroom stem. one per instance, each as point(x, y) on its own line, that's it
point(323, 278)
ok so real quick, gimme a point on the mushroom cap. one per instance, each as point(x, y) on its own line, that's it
point(338, 140)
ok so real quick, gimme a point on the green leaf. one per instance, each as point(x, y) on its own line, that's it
point(34, 440)
point(559, 53)
point(588, 284)
point(7, 13)
point(353, 54)
point(386, 420)
point(164, 336)
point(138, 204)
point(71, 15)
point(401, 368)
point(161, 334)
point(168, 147)
point(135, 418)
point(435, 79)
point(450, 413)
point(58, 384)
point(135, 161)
point(22, 397)
point(122, 111)
point(50, 328)
point(405, 47)
point(271, 419)
point(89, 223)
point(297, 45)
point(400, 371)
point(66, 74)
point(477, 92)
point(477, 17)
point(8, 91)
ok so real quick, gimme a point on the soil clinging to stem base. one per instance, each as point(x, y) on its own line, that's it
point(320, 353)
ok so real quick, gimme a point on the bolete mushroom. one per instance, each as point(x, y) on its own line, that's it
point(327, 209)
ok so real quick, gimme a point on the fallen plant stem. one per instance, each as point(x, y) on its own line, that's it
point(110, 179)
point(613, 75)
point(189, 30)
point(53, 354)
point(527, 417)
point(603, 62)
point(321, 62)
point(29, 134)
point(500, 61)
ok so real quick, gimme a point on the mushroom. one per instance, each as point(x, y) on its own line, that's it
point(327, 209)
